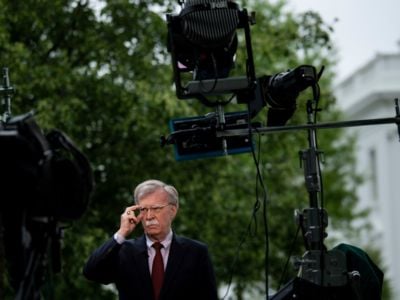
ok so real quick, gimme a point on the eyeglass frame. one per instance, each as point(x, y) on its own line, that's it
point(155, 208)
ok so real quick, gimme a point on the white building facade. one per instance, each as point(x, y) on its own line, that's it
point(369, 93)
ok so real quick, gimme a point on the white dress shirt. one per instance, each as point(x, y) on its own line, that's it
point(164, 250)
point(150, 250)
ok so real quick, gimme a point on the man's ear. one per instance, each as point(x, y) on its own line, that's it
point(174, 210)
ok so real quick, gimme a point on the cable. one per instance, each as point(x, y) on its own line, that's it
point(215, 75)
point(259, 180)
point(250, 231)
point(285, 268)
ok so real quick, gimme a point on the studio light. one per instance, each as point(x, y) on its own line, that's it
point(46, 183)
point(206, 40)
point(56, 175)
point(203, 41)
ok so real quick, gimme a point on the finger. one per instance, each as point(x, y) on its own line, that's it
point(132, 209)
point(135, 219)
point(138, 218)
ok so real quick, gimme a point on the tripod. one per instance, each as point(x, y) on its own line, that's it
point(322, 273)
point(44, 249)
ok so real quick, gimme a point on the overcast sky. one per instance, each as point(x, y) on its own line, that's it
point(364, 28)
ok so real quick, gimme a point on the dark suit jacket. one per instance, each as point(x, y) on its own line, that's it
point(189, 274)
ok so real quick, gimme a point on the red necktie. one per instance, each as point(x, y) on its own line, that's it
point(157, 272)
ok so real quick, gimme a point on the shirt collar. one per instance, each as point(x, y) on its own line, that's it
point(166, 242)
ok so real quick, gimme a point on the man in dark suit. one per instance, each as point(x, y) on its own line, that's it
point(158, 265)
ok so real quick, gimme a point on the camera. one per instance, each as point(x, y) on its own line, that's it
point(46, 182)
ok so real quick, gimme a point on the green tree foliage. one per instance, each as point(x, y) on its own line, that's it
point(100, 72)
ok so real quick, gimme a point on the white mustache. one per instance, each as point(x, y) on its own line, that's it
point(151, 222)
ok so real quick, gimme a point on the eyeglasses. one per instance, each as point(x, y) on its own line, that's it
point(155, 209)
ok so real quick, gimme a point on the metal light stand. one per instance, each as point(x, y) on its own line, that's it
point(6, 91)
point(319, 267)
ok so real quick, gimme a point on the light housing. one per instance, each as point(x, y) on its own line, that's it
point(203, 41)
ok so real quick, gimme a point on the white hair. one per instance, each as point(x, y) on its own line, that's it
point(150, 186)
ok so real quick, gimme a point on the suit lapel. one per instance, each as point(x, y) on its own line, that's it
point(141, 255)
point(175, 258)
point(142, 260)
